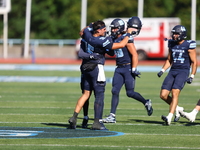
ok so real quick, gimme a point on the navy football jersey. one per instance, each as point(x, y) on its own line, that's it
point(123, 56)
point(100, 44)
point(180, 56)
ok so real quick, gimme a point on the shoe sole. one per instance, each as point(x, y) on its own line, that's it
point(165, 120)
point(150, 113)
point(109, 121)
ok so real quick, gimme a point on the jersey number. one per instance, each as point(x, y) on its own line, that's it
point(119, 53)
point(178, 58)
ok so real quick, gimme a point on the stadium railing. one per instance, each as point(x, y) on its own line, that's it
point(35, 42)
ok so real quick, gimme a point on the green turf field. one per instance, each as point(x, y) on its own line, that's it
point(51, 105)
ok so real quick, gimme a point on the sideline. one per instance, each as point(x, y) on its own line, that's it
point(49, 67)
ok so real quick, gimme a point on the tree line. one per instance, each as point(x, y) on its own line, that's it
point(60, 19)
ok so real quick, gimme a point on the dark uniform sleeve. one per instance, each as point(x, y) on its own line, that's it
point(110, 52)
point(171, 43)
point(107, 43)
point(83, 54)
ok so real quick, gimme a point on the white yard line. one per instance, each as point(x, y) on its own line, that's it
point(106, 146)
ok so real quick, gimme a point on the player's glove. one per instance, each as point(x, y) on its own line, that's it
point(94, 56)
point(159, 74)
point(135, 73)
point(190, 79)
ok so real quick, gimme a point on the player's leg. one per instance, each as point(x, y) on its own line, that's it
point(166, 88)
point(117, 84)
point(85, 114)
point(81, 101)
point(99, 89)
point(191, 116)
point(130, 85)
point(179, 78)
point(173, 102)
point(179, 84)
point(164, 95)
point(86, 104)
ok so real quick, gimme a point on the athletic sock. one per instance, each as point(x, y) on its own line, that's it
point(170, 115)
point(86, 117)
point(177, 107)
point(112, 114)
point(75, 115)
point(195, 111)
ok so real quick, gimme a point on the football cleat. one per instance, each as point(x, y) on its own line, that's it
point(189, 116)
point(98, 126)
point(72, 123)
point(109, 119)
point(177, 116)
point(148, 107)
point(166, 120)
point(85, 122)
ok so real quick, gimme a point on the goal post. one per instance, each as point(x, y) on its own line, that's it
point(5, 7)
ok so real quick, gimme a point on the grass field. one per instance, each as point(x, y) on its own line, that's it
point(34, 104)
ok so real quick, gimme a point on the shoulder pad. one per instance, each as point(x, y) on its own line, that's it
point(192, 44)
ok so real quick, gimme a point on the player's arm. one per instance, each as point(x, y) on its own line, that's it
point(134, 57)
point(121, 44)
point(84, 55)
point(131, 48)
point(166, 65)
point(110, 52)
point(87, 28)
point(168, 62)
point(193, 58)
point(81, 32)
point(124, 41)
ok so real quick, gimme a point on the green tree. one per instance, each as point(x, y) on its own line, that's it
point(60, 19)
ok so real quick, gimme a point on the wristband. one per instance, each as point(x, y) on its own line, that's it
point(192, 76)
point(133, 69)
point(163, 70)
point(128, 34)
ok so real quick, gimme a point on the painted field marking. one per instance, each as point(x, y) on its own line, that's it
point(106, 146)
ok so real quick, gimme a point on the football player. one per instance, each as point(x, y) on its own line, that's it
point(94, 77)
point(181, 56)
point(192, 115)
point(126, 70)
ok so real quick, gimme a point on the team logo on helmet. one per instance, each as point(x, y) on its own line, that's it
point(181, 30)
point(119, 25)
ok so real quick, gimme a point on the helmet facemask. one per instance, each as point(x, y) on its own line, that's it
point(135, 33)
point(116, 32)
